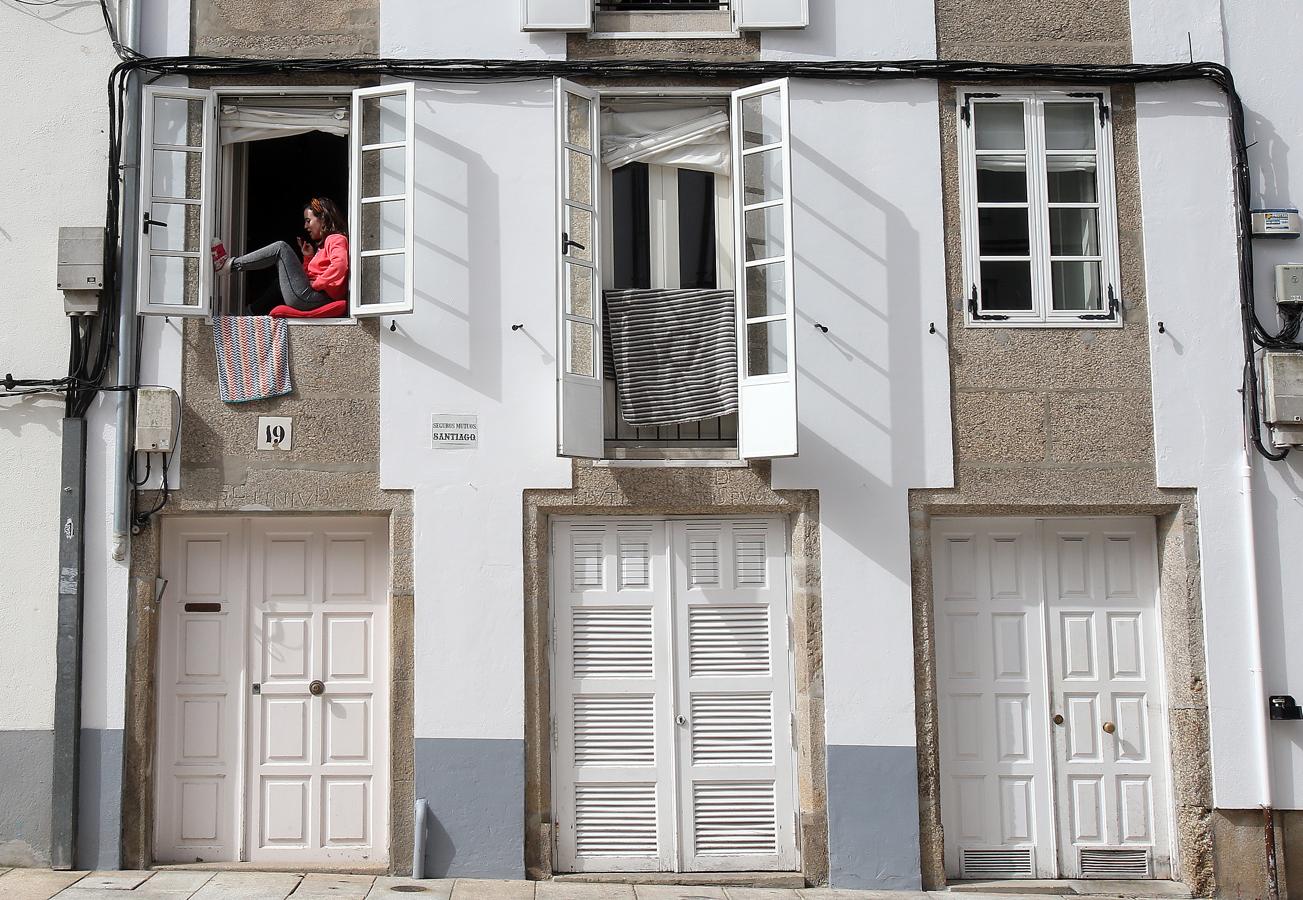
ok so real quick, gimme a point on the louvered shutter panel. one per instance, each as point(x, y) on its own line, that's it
point(757, 15)
point(612, 697)
point(733, 688)
point(556, 15)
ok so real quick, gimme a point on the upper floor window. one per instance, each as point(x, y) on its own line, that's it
point(243, 167)
point(668, 17)
point(1039, 208)
point(676, 300)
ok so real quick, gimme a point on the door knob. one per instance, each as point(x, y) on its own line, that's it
point(1109, 728)
point(1058, 719)
point(317, 688)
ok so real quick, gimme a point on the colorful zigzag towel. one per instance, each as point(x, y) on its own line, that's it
point(253, 357)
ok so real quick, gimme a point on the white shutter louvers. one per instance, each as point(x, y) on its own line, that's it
point(759, 15)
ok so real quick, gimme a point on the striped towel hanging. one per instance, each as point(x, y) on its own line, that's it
point(253, 357)
point(673, 354)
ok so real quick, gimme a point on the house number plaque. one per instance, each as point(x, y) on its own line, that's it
point(275, 433)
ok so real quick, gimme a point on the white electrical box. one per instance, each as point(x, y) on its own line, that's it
point(1276, 223)
point(156, 411)
point(1282, 397)
point(1289, 285)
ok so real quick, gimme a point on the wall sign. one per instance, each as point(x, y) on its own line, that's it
point(275, 433)
point(447, 431)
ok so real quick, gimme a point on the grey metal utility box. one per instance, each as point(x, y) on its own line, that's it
point(1282, 397)
point(156, 410)
point(81, 259)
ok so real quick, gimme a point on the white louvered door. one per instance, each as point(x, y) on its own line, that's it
point(671, 696)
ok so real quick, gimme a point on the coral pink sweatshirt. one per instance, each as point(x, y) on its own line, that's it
point(328, 268)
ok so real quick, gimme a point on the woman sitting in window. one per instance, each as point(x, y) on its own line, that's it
point(321, 276)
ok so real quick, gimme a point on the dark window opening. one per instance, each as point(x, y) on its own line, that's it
point(631, 226)
point(697, 238)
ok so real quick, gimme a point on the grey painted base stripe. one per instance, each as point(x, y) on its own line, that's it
point(476, 795)
point(873, 818)
point(27, 764)
point(99, 830)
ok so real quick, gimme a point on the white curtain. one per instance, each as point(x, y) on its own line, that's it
point(689, 136)
point(240, 123)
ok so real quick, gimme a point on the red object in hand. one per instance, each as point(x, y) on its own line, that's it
point(219, 254)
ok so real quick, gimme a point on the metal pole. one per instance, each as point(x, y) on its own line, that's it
point(67, 680)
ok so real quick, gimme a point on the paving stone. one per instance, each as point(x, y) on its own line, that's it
point(169, 885)
point(839, 894)
point(569, 890)
point(485, 889)
point(678, 892)
point(744, 893)
point(35, 884)
point(111, 881)
point(248, 886)
point(400, 889)
point(333, 887)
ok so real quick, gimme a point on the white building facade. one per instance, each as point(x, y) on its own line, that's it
point(955, 577)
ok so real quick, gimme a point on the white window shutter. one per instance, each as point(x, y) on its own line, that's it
point(176, 187)
point(381, 196)
point(766, 307)
point(579, 288)
point(556, 15)
point(757, 15)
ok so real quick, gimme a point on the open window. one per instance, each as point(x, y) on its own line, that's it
point(239, 163)
point(675, 309)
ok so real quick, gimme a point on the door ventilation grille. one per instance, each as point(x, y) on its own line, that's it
point(997, 862)
point(1114, 862)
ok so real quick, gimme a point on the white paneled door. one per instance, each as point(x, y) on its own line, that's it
point(274, 691)
point(1049, 691)
point(672, 696)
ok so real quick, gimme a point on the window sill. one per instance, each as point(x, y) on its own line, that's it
point(669, 463)
point(1012, 323)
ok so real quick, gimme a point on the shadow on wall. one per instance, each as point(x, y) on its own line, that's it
point(459, 247)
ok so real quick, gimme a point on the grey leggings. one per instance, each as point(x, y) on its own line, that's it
point(295, 289)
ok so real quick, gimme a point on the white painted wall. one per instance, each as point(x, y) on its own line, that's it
point(857, 29)
point(462, 29)
point(54, 145)
point(1192, 286)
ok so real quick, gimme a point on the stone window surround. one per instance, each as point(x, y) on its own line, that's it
point(608, 491)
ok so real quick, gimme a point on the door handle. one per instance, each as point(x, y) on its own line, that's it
point(1109, 728)
point(566, 244)
point(317, 688)
point(147, 222)
point(1058, 719)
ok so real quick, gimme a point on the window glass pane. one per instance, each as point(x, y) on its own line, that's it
point(998, 126)
point(384, 172)
point(384, 119)
point(630, 227)
point(579, 348)
point(767, 348)
point(762, 120)
point(1003, 232)
point(1071, 179)
point(578, 124)
point(178, 121)
point(579, 229)
point(1069, 126)
point(383, 279)
point(766, 290)
point(763, 229)
point(174, 280)
point(1076, 285)
point(1001, 179)
point(182, 227)
point(1006, 285)
point(1074, 232)
point(178, 174)
point(762, 176)
point(383, 226)
point(697, 241)
point(579, 290)
point(579, 177)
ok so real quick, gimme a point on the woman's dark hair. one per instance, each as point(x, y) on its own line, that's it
point(332, 220)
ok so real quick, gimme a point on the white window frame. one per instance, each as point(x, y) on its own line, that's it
point(212, 206)
point(1042, 314)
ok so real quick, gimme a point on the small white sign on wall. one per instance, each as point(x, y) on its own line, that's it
point(449, 431)
point(275, 433)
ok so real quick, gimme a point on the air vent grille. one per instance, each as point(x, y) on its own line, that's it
point(1114, 862)
point(996, 862)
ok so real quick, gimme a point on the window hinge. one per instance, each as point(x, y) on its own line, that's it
point(1099, 99)
point(979, 316)
point(965, 111)
point(1114, 308)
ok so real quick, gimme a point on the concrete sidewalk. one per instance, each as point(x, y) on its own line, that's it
point(43, 884)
